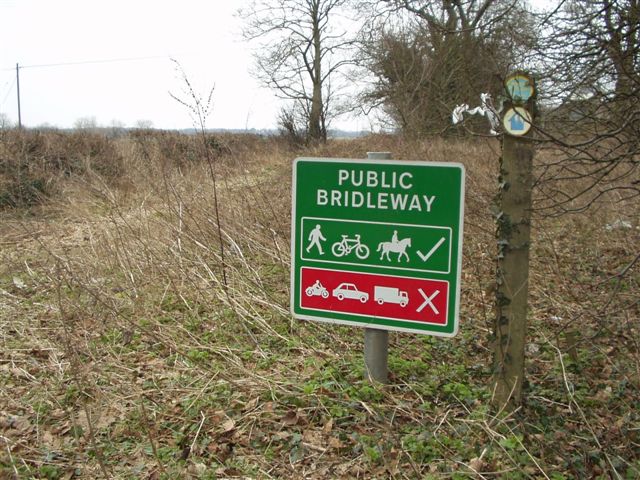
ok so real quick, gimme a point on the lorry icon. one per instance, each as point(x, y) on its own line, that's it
point(390, 295)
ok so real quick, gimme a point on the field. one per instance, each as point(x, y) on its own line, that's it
point(145, 328)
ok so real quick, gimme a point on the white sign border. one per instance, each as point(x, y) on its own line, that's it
point(456, 309)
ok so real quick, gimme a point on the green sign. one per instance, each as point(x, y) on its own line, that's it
point(377, 243)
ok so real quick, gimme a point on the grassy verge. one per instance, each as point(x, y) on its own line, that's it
point(124, 355)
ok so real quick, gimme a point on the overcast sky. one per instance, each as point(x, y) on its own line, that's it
point(65, 48)
point(204, 36)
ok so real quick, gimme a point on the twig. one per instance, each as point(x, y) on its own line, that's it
point(143, 411)
point(573, 400)
point(13, 463)
point(195, 439)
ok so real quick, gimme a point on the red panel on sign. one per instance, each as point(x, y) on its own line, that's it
point(373, 295)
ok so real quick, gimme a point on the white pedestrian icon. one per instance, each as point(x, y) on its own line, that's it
point(394, 246)
point(315, 237)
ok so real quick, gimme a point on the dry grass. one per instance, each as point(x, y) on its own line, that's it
point(124, 355)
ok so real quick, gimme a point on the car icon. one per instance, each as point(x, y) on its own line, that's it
point(349, 290)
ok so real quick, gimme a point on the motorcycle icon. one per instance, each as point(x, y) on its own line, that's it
point(317, 290)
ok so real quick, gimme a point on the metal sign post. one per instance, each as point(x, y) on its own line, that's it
point(376, 341)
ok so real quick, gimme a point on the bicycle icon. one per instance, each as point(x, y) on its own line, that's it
point(346, 245)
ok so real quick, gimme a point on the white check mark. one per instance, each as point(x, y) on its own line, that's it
point(432, 251)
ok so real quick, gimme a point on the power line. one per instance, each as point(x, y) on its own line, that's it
point(65, 64)
point(8, 92)
point(87, 62)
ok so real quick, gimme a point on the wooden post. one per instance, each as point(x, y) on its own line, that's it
point(513, 238)
point(376, 341)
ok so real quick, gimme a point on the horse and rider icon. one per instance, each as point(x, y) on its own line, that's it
point(394, 246)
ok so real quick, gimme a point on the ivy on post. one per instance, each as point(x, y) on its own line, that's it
point(513, 218)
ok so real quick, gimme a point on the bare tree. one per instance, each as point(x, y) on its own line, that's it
point(428, 56)
point(143, 124)
point(5, 122)
point(590, 79)
point(293, 126)
point(86, 123)
point(303, 46)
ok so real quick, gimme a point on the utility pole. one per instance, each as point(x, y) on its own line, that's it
point(18, 89)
